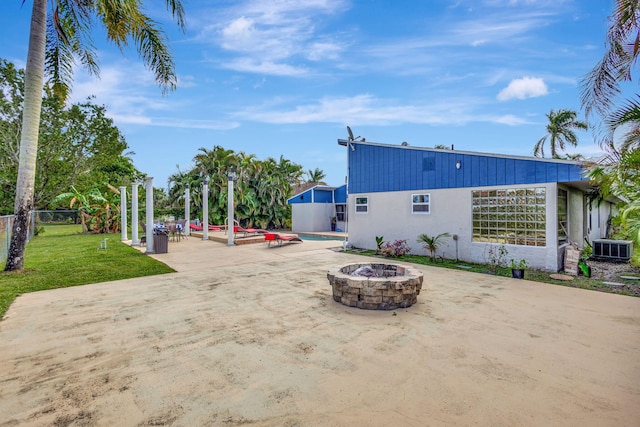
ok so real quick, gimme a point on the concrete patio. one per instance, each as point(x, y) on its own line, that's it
point(251, 335)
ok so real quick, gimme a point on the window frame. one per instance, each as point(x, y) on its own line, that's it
point(427, 204)
point(341, 212)
point(359, 204)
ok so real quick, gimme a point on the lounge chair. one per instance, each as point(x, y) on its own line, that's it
point(280, 238)
point(195, 227)
point(240, 229)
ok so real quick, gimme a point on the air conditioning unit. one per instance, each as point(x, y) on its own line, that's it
point(613, 249)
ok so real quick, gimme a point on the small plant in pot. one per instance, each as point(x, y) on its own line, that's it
point(334, 221)
point(517, 268)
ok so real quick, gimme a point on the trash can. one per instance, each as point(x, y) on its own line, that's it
point(160, 241)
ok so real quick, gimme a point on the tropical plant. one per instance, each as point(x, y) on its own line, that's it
point(618, 173)
point(316, 175)
point(559, 132)
point(395, 249)
point(432, 243)
point(379, 242)
point(601, 86)
point(60, 38)
point(261, 188)
point(78, 145)
point(99, 212)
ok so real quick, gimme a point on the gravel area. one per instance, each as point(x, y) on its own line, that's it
point(610, 272)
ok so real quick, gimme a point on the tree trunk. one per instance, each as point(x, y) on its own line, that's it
point(33, 82)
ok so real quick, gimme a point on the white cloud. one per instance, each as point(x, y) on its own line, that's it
point(324, 50)
point(132, 97)
point(264, 67)
point(266, 36)
point(510, 120)
point(369, 110)
point(238, 33)
point(526, 87)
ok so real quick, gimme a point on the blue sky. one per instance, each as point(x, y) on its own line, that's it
point(278, 77)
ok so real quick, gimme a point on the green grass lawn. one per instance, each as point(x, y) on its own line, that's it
point(62, 256)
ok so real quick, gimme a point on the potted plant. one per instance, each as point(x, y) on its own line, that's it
point(334, 221)
point(517, 268)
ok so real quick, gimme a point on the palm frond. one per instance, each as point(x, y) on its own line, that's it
point(601, 86)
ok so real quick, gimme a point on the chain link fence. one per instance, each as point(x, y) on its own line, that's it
point(6, 222)
point(37, 221)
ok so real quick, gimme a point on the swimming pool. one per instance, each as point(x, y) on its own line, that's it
point(319, 237)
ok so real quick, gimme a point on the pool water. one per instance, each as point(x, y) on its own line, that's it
point(316, 237)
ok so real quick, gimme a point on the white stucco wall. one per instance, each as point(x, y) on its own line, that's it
point(311, 217)
point(390, 216)
point(598, 216)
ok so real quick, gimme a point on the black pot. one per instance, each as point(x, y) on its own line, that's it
point(333, 226)
point(517, 273)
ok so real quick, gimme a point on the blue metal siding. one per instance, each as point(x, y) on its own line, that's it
point(322, 196)
point(340, 194)
point(374, 168)
point(301, 198)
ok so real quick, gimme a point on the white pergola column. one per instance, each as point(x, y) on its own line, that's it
point(123, 213)
point(187, 210)
point(149, 231)
point(230, 213)
point(205, 209)
point(135, 241)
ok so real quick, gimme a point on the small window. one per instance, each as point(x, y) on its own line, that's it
point(341, 212)
point(362, 205)
point(420, 203)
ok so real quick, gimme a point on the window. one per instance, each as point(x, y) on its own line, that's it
point(362, 205)
point(420, 203)
point(514, 216)
point(341, 212)
point(562, 216)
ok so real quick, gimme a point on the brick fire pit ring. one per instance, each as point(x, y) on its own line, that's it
point(382, 287)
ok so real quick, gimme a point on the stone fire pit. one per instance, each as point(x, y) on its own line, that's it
point(376, 286)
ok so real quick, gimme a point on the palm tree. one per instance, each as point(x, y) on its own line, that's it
point(316, 175)
point(61, 38)
point(559, 132)
point(618, 172)
point(601, 86)
point(432, 243)
point(626, 117)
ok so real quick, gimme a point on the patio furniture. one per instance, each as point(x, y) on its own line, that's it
point(280, 238)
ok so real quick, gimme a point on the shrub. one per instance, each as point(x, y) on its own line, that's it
point(395, 249)
point(432, 243)
point(497, 257)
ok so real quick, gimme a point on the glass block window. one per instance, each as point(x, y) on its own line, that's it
point(362, 205)
point(420, 203)
point(515, 216)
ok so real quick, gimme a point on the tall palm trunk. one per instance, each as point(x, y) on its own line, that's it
point(33, 82)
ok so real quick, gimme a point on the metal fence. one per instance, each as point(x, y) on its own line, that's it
point(38, 218)
point(6, 222)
